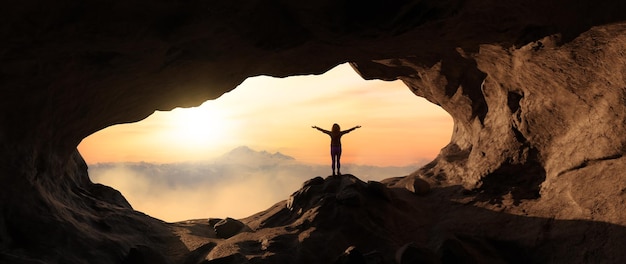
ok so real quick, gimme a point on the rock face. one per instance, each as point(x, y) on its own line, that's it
point(228, 227)
point(537, 91)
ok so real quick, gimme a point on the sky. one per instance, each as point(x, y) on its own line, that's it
point(276, 115)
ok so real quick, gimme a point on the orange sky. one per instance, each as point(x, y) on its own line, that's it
point(273, 114)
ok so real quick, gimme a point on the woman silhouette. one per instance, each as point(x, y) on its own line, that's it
point(335, 144)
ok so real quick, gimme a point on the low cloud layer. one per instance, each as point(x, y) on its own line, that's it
point(238, 184)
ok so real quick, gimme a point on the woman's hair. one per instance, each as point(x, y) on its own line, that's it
point(336, 128)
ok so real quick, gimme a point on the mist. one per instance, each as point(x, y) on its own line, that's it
point(237, 184)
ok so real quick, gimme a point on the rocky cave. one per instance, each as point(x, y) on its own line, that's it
point(533, 173)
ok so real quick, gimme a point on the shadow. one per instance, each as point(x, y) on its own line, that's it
point(324, 218)
point(465, 233)
point(521, 181)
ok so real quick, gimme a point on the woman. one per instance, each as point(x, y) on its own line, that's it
point(335, 144)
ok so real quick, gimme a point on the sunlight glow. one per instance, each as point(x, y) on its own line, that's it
point(198, 127)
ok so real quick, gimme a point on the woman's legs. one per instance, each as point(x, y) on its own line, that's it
point(339, 163)
point(335, 155)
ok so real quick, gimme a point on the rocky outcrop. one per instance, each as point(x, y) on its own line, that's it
point(449, 225)
point(536, 90)
point(327, 216)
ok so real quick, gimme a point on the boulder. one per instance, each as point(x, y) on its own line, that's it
point(213, 221)
point(349, 197)
point(229, 227)
point(416, 185)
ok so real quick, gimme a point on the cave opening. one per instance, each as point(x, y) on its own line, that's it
point(250, 148)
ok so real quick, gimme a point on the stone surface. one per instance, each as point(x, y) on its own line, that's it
point(213, 221)
point(536, 89)
point(144, 255)
point(409, 253)
point(229, 227)
point(415, 185)
point(351, 256)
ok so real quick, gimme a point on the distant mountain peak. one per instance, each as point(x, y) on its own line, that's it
point(246, 154)
point(241, 150)
point(279, 155)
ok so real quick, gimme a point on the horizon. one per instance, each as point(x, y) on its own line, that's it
point(260, 151)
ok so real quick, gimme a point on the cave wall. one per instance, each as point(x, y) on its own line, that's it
point(535, 88)
point(527, 119)
point(560, 105)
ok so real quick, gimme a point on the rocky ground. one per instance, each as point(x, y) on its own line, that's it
point(341, 219)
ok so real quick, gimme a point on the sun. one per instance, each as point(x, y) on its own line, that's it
point(198, 127)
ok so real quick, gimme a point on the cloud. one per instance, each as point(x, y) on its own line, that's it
point(167, 193)
point(238, 184)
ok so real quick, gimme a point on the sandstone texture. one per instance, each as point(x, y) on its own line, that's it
point(533, 172)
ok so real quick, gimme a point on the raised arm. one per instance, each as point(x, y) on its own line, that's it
point(320, 129)
point(350, 130)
